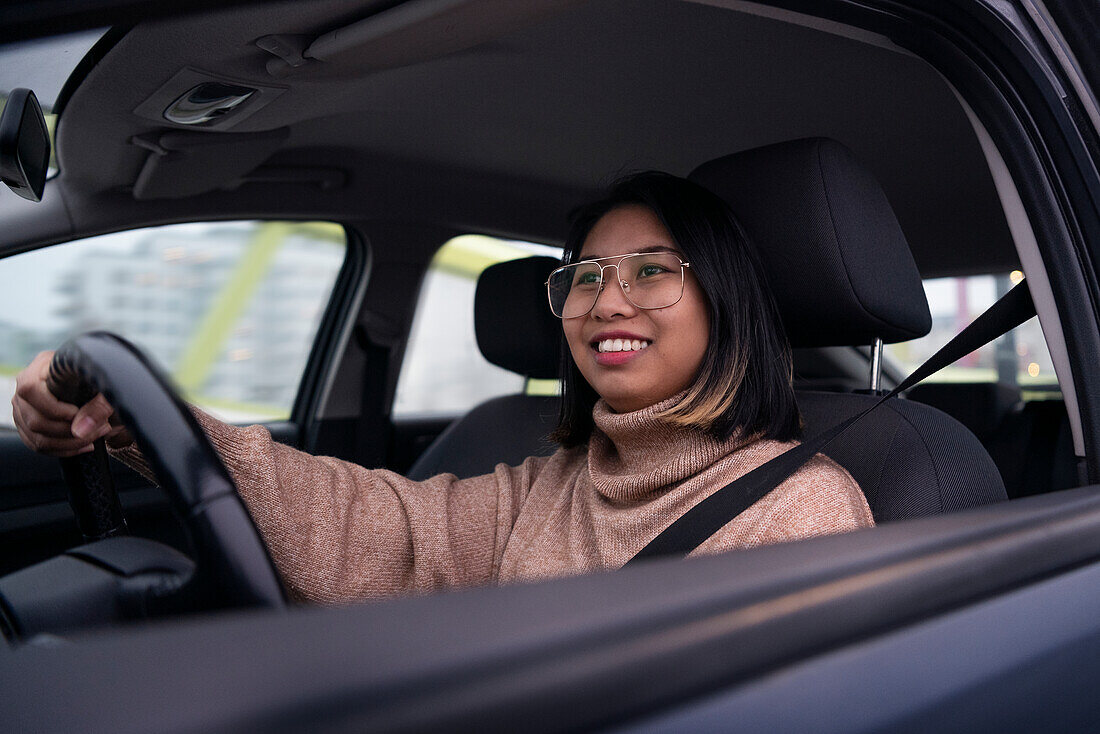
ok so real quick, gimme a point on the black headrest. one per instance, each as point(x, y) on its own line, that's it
point(834, 253)
point(512, 319)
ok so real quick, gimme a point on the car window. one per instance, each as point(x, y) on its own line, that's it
point(443, 372)
point(1020, 357)
point(228, 309)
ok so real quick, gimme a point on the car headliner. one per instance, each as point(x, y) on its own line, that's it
point(504, 136)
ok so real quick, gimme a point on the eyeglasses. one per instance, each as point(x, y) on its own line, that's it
point(649, 280)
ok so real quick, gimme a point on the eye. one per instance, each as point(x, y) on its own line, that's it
point(650, 270)
point(589, 277)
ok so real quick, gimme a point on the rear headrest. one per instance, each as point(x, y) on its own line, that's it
point(833, 250)
point(980, 406)
point(512, 319)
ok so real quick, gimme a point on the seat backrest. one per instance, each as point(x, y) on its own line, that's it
point(980, 406)
point(1035, 447)
point(505, 429)
point(1030, 442)
point(909, 459)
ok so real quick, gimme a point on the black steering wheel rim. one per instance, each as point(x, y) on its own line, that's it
point(232, 556)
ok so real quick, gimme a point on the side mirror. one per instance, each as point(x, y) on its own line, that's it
point(24, 145)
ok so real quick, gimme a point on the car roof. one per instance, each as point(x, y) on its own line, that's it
point(503, 130)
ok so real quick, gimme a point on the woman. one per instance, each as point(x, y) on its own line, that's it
point(677, 381)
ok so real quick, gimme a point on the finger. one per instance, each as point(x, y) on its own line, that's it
point(30, 385)
point(93, 419)
point(34, 421)
point(50, 445)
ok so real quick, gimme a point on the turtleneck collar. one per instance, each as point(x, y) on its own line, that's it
point(637, 455)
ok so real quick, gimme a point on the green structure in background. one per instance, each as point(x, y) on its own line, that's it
point(208, 341)
point(464, 256)
point(207, 344)
point(467, 255)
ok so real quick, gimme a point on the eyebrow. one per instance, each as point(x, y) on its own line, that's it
point(642, 251)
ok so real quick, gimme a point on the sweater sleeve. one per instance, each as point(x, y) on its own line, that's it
point(339, 532)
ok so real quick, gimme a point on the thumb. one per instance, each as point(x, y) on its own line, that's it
point(91, 421)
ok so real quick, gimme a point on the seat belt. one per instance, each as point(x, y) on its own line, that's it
point(373, 428)
point(706, 518)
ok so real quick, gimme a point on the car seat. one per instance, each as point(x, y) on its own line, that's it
point(843, 275)
point(515, 330)
point(1030, 442)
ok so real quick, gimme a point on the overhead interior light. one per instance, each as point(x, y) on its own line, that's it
point(206, 102)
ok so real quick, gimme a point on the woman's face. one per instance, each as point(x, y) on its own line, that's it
point(677, 335)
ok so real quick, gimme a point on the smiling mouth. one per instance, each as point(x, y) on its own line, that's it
point(620, 345)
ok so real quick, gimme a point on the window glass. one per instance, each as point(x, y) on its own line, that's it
point(1019, 357)
point(443, 372)
point(228, 309)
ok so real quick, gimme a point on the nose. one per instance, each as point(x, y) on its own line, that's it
point(612, 301)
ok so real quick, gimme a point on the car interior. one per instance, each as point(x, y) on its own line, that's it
point(797, 201)
point(855, 165)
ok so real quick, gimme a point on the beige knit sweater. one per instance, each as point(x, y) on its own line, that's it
point(339, 532)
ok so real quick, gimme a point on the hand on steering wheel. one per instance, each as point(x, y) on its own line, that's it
point(232, 556)
point(57, 428)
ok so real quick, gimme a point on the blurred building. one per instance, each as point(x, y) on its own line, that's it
point(229, 310)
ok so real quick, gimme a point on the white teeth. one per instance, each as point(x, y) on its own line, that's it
point(622, 345)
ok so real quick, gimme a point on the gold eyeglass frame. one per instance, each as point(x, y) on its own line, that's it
point(618, 278)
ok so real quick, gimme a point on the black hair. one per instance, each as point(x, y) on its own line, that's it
point(744, 382)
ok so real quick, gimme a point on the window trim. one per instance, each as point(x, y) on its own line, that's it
point(334, 332)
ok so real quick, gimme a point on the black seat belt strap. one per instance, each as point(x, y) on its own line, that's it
point(373, 427)
point(708, 516)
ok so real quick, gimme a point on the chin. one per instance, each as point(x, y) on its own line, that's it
point(629, 403)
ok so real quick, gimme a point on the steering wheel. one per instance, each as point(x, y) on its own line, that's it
point(232, 558)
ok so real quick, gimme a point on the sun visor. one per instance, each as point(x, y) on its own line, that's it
point(188, 163)
point(409, 33)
